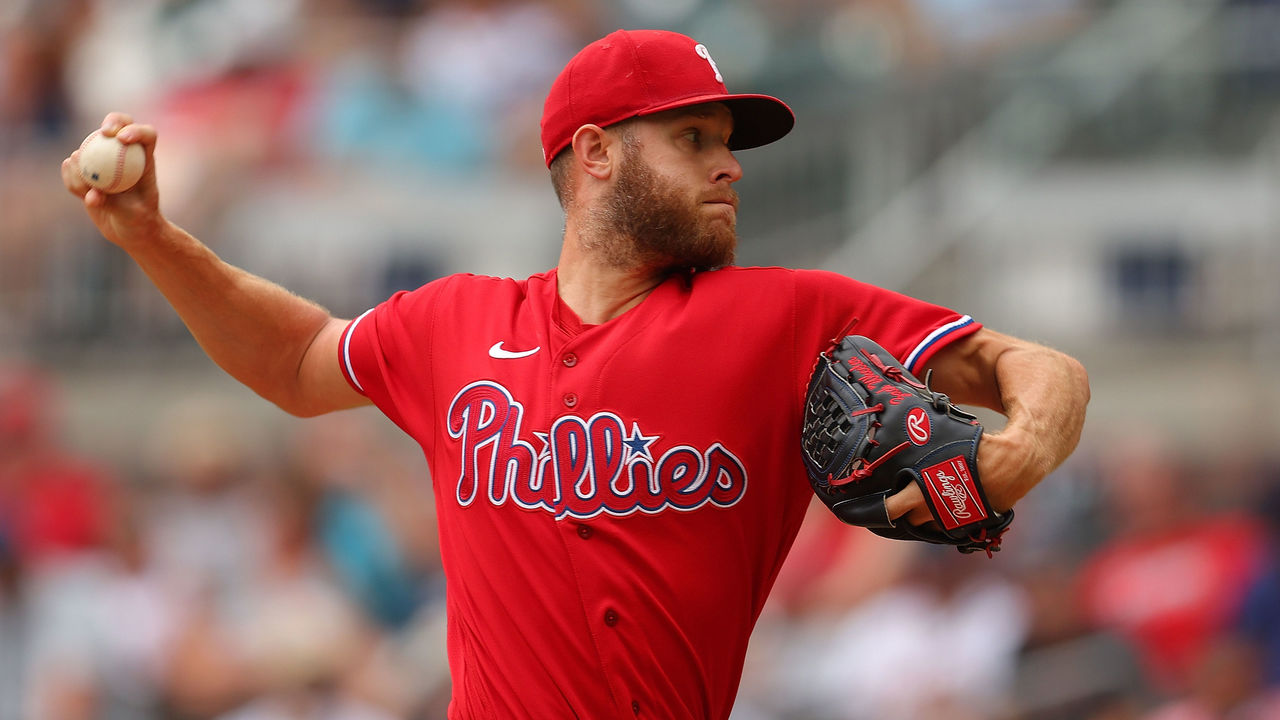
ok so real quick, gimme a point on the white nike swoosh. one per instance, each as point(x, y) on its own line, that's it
point(497, 352)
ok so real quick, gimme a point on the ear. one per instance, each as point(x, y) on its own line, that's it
point(592, 147)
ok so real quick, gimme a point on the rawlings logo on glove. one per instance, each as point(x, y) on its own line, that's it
point(871, 428)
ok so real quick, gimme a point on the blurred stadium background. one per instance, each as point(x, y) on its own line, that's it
point(1098, 175)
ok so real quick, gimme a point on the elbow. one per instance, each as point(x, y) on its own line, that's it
point(300, 411)
point(302, 404)
point(300, 408)
point(292, 404)
point(1070, 377)
point(1079, 378)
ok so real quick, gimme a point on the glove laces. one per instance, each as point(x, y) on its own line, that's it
point(985, 541)
point(865, 471)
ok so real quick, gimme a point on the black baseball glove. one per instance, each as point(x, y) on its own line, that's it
point(871, 428)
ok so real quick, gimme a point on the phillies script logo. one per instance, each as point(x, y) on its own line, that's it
point(953, 492)
point(585, 466)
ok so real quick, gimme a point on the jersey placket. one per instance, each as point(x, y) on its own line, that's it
point(588, 539)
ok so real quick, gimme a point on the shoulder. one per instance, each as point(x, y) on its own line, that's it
point(769, 276)
point(471, 282)
point(752, 278)
point(736, 274)
point(461, 286)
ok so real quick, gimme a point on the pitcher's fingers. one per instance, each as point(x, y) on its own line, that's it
point(138, 133)
point(908, 504)
point(112, 123)
point(71, 178)
point(95, 198)
point(904, 501)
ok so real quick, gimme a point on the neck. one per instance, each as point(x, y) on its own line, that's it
point(596, 289)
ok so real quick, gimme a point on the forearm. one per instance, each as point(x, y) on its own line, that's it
point(255, 330)
point(1043, 393)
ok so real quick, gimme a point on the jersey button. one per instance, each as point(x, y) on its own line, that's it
point(570, 399)
point(585, 532)
point(569, 359)
point(610, 617)
point(635, 708)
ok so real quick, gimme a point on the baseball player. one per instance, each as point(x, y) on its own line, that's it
point(614, 443)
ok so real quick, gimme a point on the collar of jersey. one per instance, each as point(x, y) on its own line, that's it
point(568, 322)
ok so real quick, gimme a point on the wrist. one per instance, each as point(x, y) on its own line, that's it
point(1010, 463)
point(146, 234)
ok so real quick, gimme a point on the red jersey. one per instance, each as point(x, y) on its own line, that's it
point(615, 500)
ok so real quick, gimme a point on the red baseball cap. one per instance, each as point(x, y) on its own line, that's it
point(630, 73)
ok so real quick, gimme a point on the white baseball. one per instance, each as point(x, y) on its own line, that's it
point(110, 165)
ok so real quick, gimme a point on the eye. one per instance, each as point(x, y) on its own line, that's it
point(693, 135)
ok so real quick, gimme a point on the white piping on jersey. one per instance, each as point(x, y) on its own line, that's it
point(932, 338)
point(346, 349)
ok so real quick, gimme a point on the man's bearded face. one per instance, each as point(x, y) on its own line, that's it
point(652, 221)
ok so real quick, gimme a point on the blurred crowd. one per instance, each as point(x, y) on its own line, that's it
point(213, 575)
point(211, 578)
point(269, 111)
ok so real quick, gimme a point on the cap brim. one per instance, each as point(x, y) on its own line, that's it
point(757, 119)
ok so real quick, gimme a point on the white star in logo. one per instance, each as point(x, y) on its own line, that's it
point(546, 443)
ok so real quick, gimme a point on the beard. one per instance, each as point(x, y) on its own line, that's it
point(647, 222)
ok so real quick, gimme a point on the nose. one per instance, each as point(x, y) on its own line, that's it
point(727, 168)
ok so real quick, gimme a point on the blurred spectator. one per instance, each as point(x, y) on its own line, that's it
point(1227, 685)
point(208, 527)
point(375, 528)
point(13, 631)
point(268, 633)
point(879, 659)
point(482, 68)
point(880, 40)
point(299, 638)
point(52, 503)
point(1067, 669)
point(173, 44)
point(311, 705)
point(1259, 620)
point(363, 114)
point(978, 32)
point(374, 521)
point(91, 618)
point(209, 534)
point(456, 89)
point(832, 567)
point(101, 629)
point(36, 37)
point(1174, 574)
point(136, 611)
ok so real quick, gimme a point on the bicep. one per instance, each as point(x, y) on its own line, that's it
point(323, 387)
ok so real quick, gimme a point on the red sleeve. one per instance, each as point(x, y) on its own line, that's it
point(383, 351)
point(911, 330)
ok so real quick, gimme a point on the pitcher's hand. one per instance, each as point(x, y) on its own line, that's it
point(129, 216)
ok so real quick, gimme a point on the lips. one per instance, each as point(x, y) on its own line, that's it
point(730, 200)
